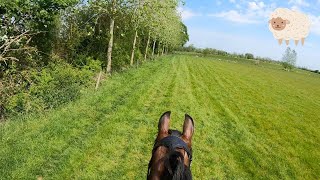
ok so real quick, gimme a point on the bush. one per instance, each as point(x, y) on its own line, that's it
point(138, 57)
point(206, 52)
point(59, 84)
point(12, 84)
point(121, 57)
point(287, 66)
point(249, 56)
point(92, 65)
point(54, 85)
point(23, 102)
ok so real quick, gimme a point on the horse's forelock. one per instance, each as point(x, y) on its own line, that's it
point(175, 167)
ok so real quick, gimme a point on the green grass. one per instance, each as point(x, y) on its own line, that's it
point(250, 122)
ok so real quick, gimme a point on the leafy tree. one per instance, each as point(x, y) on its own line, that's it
point(34, 16)
point(289, 59)
point(82, 35)
point(206, 52)
point(249, 56)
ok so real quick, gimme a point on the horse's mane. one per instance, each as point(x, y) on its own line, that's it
point(175, 168)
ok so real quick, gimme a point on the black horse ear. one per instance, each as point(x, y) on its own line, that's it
point(164, 121)
point(188, 127)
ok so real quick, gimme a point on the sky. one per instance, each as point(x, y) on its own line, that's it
point(242, 26)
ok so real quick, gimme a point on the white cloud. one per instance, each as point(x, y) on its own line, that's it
point(235, 16)
point(256, 5)
point(187, 13)
point(296, 8)
point(254, 13)
point(315, 26)
point(299, 3)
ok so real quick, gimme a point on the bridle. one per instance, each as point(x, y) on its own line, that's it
point(172, 142)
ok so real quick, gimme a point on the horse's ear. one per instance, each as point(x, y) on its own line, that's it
point(164, 121)
point(188, 127)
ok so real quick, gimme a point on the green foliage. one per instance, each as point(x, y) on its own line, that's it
point(60, 44)
point(85, 62)
point(59, 84)
point(190, 48)
point(138, 56)
point(287, 66)
point(13, 85)
point(213, 52)
point(92, 65)
point(185, 35)
point(206, 52)
point(249, 56)
point(35, 16)
point(289, 59)
point(52, 86)
point(23, 102)
point(121, 57)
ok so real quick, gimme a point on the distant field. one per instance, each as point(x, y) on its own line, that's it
point(251, 121)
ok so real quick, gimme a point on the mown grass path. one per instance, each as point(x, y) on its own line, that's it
point(250, 122)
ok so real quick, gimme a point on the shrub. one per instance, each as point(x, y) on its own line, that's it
point(36, 90)
point(92, 65)
point(206, 52)
point(287, 66)
point(12, 83)
point(138, 57)
point(249, 56)
point(121, 57)
point(59, 84)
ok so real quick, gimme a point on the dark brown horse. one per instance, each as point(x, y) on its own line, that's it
point(172, 152)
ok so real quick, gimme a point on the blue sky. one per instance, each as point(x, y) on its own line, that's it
point(242, 26)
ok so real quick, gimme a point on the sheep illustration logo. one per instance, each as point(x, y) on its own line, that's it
point(286, 24)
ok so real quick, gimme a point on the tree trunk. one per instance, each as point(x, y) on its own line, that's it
point(109, 55)
point(162, 50)
point(70, 35)
point(133, 48)
point(158, 49)
point(147, 46)
point(153, 48)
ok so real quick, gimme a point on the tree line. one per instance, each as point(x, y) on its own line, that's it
point(49, 50)
point(288, 60)
point(212, 51)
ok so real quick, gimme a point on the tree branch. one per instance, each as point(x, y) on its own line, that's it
point(6, 46)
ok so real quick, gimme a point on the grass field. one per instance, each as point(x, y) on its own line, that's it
point(250, 122)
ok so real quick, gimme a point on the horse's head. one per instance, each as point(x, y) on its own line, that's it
point(172, 152)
